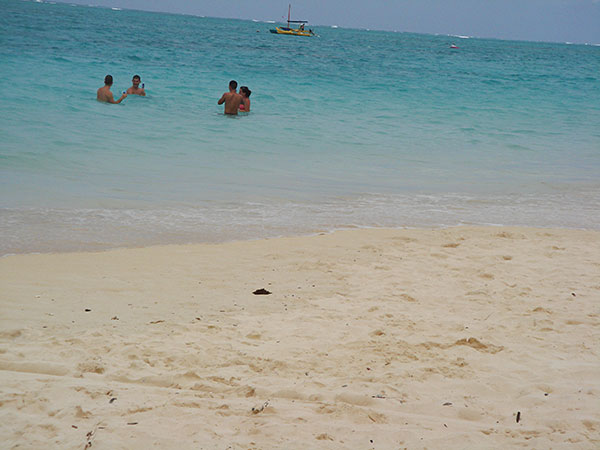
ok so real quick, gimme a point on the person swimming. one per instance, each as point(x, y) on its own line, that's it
point(245, 93)
point(135, 87)
point(104, 95)
point(231, 99)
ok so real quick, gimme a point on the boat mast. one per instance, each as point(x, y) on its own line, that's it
point(289, 10)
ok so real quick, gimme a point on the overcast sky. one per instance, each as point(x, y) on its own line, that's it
point(534, 20)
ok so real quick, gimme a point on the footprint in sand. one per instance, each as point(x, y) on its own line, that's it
point(479, 346)
point(81, 414)
point(541, 310)
point(451, 245)
point(408, 298)
point(90, 367)
point(324, 437)
point(377, 333)
point(377, 417)
point(469, 414)
point(253, 335)
point(10, 334)
point(354, 399)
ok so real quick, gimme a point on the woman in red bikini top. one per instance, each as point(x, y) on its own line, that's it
point(245, 92)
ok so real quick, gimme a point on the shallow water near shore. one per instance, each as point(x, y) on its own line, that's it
point(354, 128)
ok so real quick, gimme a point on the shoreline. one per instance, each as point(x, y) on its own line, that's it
point(57, 230)
point(90, 247)
point(402, 337)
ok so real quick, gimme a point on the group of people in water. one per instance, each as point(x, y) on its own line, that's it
point(233, 100)
point(105, 95)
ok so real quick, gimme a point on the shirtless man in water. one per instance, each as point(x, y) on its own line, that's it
point(104, 95)
point(136, 89)
point(231, 99)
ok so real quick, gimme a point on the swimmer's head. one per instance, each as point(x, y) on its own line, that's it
point(136, 80)
point(244, 90)
point(108, 80)
point(233, 85)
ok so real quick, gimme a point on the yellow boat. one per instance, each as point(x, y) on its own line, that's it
point(300, 31)
point(292, 31)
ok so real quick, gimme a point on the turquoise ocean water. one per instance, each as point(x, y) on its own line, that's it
point(352, 128)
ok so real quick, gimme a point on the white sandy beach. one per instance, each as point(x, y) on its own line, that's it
point(371, 339)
